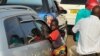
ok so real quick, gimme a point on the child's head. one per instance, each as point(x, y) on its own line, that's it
point(35, 32)
point(54, 24)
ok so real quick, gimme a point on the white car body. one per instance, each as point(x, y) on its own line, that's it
point(70, 17)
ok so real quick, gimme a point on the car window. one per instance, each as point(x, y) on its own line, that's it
point(73, 1)
point(45, 30)
point(31, 32)
point(13, 32)
point(50, 3)
point(37, 5)
point(21, 30)
point(52, 6)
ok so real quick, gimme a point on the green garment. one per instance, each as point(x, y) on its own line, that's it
point(83, 13)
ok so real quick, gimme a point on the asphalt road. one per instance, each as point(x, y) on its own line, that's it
point(70, 41)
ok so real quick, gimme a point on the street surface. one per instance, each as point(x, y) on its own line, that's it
point(70, 42)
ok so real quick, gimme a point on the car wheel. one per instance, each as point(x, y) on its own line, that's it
point(3, 1)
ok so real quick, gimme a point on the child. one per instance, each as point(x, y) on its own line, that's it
point(35, 36)
point(15, 41)
point(55, 37)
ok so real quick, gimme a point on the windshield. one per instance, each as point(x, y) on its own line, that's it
point(73, 1)
point(37, 5)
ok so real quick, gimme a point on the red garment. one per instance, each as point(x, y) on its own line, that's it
point(54, 35)
point(37, 38)
point(91, 3)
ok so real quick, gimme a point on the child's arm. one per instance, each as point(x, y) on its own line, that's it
point(31, 39)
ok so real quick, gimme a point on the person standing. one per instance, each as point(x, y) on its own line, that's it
point(55, 37)
point(89, 37)
point(83, 13)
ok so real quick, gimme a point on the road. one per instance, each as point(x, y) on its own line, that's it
point(70, 42)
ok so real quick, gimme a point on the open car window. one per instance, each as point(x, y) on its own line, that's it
point(32, 33)
point(15, 36)
point(30, 30)
point(21, 31)
point(43, 27)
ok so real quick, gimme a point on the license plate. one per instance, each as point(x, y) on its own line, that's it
point(73, 11)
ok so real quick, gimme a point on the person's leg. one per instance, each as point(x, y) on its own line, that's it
point(98, 54)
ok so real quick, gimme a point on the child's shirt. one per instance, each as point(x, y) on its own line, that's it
point(37, 38)
point(56, 38)
point(54, 35)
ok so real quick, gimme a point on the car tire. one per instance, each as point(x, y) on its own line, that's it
point(3, 1)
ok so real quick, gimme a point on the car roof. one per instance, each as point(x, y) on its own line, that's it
point(8, 11)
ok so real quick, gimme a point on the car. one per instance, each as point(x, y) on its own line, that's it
point(72, 7)
point(46, 9)
point(17, 25)
point(3, 1)
point(42, 7)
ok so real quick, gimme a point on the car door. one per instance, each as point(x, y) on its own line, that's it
point(39, 46)
point(15, 38)
point(44, 45)
point(26, 25)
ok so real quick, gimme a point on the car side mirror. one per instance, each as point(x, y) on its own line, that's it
point(62, 11)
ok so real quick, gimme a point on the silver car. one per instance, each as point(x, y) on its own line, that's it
point(17, 37)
